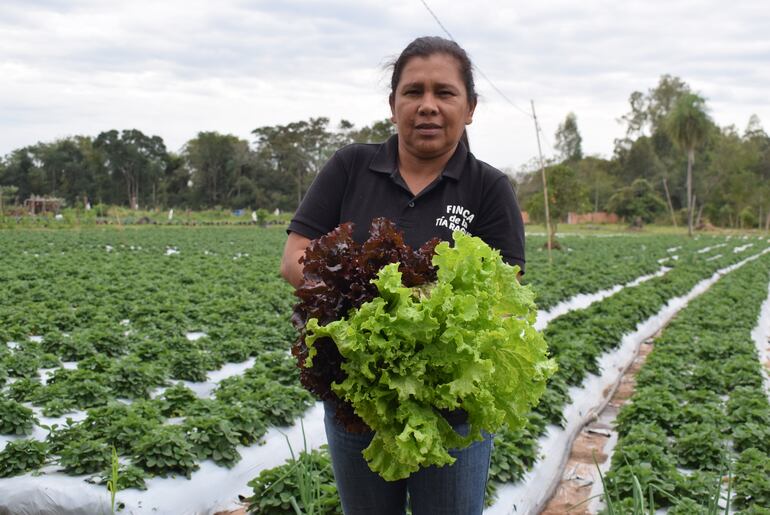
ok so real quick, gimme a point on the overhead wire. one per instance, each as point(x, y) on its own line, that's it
point(481, 72)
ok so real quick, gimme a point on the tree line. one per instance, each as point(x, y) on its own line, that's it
point(673, 165)
point(212, 170)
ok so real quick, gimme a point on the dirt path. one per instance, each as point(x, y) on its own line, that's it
point(597, 440)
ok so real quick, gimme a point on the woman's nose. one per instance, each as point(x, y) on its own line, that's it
point(428, 105)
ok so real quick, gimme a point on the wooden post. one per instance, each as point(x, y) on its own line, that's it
point(545, 185)
point(668, 199)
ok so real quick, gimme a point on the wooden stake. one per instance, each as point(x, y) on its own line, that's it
point(545, 185)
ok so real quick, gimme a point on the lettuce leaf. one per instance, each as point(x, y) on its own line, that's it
point(465, 342)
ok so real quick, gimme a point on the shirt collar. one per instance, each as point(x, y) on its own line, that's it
point(386, 159)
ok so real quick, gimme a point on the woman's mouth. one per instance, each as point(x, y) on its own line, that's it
point(428, 129)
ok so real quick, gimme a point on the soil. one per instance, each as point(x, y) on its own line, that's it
point(589, 449)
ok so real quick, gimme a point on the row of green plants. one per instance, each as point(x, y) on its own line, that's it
point(78, 217)
point(112, 308)
point(603, 264)
point(241, 410)
point(578, 339)
point(700, 415)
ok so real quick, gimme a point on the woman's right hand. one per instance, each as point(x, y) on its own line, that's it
point(291, 269)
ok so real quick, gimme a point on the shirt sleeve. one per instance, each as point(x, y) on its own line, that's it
point(319, 211)
point(500, 224)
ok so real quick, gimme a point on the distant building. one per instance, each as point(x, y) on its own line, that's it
point(35, 205)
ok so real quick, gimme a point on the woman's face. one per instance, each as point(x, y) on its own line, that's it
point(430, 106)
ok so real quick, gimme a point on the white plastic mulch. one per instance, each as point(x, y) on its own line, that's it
point(530, 495)
point(761, 337)
point(583, 300)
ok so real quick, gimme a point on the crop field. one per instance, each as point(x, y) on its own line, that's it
point(171, 345)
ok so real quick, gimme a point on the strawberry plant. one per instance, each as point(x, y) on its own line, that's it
point(131, 378)
point(165, 451)
point(22, 364)
point(128, 476)
point(189, 365)
point(752, 479)
point(15, 419)
point(20, 456)
point(213, 437)
point(84, 456)
point(24, 390)
point(177, 400)
point(700, 446)
point(126, 431)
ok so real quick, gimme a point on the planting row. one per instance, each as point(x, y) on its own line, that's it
point(122, 304)
point(578, 339)
point(700, 411)
point(605, 262)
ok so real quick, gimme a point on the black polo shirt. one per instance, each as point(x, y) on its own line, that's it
point(361, 182)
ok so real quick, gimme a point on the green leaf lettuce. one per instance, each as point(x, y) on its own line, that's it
point(465, 342)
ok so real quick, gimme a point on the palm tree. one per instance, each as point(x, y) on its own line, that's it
point(688, 125)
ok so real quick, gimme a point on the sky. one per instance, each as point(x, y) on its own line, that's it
point(174, 68)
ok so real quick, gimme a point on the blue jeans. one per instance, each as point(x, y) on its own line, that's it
point(456, 489)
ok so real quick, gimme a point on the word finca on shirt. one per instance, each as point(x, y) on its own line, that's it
point(457, 218)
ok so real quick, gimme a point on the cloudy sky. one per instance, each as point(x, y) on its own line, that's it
point(174, 68)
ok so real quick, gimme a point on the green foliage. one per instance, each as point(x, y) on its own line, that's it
point(177, 399)
point(165, 451)
point(84, 456)
point(128, 476)
point(213, 437)
point(466, 342)
point(20, 456)
point(24, 389)
point(568, 139)
point(639, 200)
point(752, 479)
point(688, 122)
point(565, 193)
point(276, 489)
point(191, 365)
point(700, 446)
point(22, 364)
point(15, 419)
point(132, 378)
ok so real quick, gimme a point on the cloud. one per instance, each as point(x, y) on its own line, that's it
point(175, 68)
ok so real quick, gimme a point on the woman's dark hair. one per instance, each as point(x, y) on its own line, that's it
point(427, 46)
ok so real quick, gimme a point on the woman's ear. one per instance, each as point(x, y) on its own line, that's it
point(392, 102)
point(471, 110)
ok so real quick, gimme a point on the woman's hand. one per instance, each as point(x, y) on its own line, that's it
point(291, 269)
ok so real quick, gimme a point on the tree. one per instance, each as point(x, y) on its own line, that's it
point(688, 125)
point(598, 174)
point(568, 140)
point(216, 163)
point(566, 193)
point(299, 148)
point(138, 158)
point(637, 203)
point(377, 132)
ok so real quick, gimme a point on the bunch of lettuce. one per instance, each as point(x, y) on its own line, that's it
point(338, 275)
point(465, 342)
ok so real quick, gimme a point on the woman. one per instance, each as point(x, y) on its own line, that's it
point(427, 182)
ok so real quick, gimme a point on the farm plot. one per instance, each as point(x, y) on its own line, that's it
point(700, 409)
point(169, 342)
